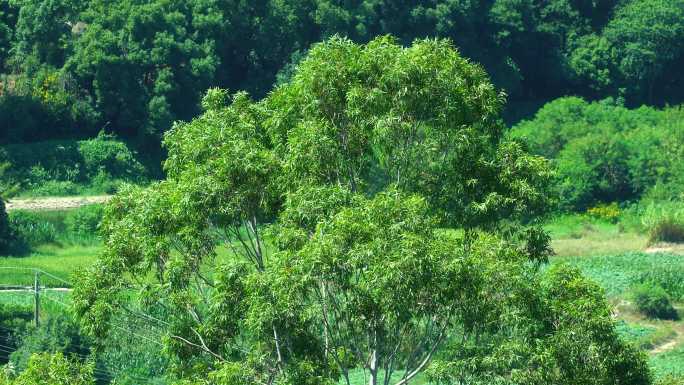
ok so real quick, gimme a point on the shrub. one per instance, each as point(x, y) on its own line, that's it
point(669, 277)
point(593, 169)
point(105, 183)
point(654, 302)
point(605, 152)
point(97, 165)
point(31, 230)
point(85, 221)
point(105, 154)
point(59, 334)
point(52, 188)
point(15, 320)
point(53, 369)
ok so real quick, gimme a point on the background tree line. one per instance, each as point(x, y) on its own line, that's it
point(133, 67)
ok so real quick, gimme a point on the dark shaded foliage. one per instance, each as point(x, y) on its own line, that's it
point(134, 67)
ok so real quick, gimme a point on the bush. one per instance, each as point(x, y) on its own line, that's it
point(56, 168)
point(59, 334)
point(609, 212)
point(53, 369)
point(84, 221)
point(55, 188)
point(105, 155)
point(15, 320)
point(669, 277)
point(654, 302)
point(30, 230)
point(39, 107)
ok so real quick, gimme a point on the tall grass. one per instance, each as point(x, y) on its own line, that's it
point(65, 228)
point(665, 222)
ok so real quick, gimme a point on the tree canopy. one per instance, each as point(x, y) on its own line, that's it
point(361, 217)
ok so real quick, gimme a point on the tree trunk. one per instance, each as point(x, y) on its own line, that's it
point(373, 368)
point(374, 360)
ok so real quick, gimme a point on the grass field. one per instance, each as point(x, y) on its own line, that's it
point(580, 235)
point(59, 260)
point(617, 273)
point(669, 363)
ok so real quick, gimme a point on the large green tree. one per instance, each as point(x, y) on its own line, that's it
point(146, 64)
point(307, 236)
point(43, 31)
point(7, 26)
point(647, 37)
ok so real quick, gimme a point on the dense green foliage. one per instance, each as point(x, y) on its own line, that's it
point(604, 152)
point(58, 334)
point(331, 196)
point(133, 67)
point(14, 322)
point(670, 277)
point(85, 221)
point(664, 222)
point(53, 369)
point(30, 230)
point(63, 168)
point(7, 235)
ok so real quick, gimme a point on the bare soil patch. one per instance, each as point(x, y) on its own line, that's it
point(670, 248)
point(46, 204)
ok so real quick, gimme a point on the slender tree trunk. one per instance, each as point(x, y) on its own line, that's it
point(374, 360)
point(325, 314)
point(373, 368)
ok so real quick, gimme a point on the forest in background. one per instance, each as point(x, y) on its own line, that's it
point(131, 68)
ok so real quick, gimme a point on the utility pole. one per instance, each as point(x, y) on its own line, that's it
point(36, 305)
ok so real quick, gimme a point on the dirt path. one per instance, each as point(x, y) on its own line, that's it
point(672, 343)
point(45, 204)
point(666, 347)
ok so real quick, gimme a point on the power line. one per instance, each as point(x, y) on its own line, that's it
point(99, 372)
point(37, 271)
point(117, 326)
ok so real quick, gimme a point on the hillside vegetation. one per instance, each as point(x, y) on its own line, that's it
point(134, 67)
point(604, 152)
